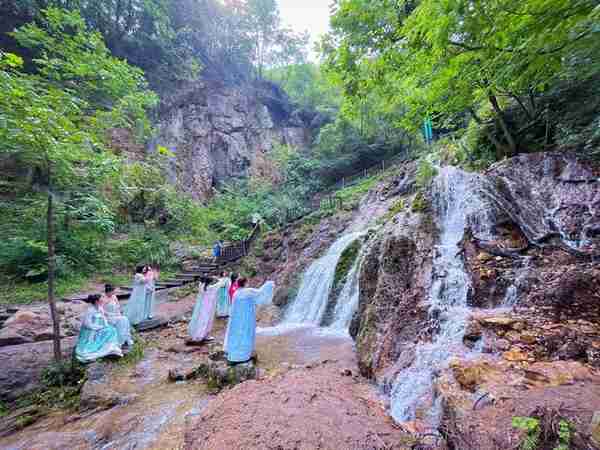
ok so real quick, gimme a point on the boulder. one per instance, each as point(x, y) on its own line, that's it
point(22, 366)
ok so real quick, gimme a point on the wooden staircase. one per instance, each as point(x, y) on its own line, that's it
point(202, 268)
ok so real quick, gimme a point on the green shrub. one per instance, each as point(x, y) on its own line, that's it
point(426, 172)
point(419, 203)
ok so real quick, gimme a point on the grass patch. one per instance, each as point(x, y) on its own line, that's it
point(24, 292)
point(4, 410)
point(61, 387)
point(353, 194)
point(135, 354)
point(396, 208)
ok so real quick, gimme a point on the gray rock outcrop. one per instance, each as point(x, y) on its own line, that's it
point(218, 132)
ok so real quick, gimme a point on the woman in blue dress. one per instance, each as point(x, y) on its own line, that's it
point(241, 332)
point(135, 310)
point(150, 275)
point(97, 338)
point(223, 300)
point(112, 311)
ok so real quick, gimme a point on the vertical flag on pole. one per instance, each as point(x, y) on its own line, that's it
point(428, 130)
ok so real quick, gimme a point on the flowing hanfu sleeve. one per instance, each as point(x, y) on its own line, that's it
point(264, 295)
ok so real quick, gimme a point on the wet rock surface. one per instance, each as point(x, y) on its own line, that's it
point(303, 408)
point(530, 256)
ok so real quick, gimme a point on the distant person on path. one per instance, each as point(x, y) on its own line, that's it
point(136, 306)
point(256, 219)
point(241, 332)
point(150, 276)
point(112, 311)
point(223, 299)
point(97, 338)
point(204, 312)
point(218, 249)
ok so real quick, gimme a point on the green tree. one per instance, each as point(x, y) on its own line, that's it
point(54, 121)
point(446, 58)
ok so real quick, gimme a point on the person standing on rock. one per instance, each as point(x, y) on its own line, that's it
point(136, 306)
point(241, 330)
point(204, 312)
point(97, 338)
point(112, 311)
point(223, 299)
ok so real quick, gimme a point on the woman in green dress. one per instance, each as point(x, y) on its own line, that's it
point(97, 338)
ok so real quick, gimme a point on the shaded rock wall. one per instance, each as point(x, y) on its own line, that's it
point(219, 132)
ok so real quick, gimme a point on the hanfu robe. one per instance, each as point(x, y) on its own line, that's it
point(112, 311)
point(97, 338)
point(150, 290)
point(223, 299)
point(241, 332)
point(234, 286)
point(136, 306)
point(204, 314)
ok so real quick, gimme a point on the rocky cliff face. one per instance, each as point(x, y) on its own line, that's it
point(219, 132)
point(479, 301)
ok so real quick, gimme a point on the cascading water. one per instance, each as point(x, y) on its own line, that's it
point(455, 199)
point(348, 299)
point(310, 303)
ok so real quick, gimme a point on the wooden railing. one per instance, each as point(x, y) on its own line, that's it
point(332, 201)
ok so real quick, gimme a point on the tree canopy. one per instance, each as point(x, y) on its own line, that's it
point(446, 58)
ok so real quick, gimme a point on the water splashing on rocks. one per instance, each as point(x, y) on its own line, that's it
point(458, 205)
point(310, 303)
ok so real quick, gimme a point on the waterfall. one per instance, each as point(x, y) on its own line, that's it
point(456, 203)
point(347, 302)
point(311, 301)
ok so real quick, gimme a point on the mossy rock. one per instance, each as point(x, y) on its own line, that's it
point(420, 203)
point(345, 263)
point(219, 374)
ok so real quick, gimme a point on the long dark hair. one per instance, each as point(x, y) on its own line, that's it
point(109, 288)
point(242, 282)
point(234, 276)
point(140, 269)
point(93, 299)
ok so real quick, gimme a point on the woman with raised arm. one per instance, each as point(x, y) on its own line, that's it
point(97, 338)
point(112, 311)
point(241, 331)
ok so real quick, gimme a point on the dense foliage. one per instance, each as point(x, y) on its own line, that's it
point(174, 40)
point(454, 59)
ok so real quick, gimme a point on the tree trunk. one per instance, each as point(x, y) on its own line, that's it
point(501, 149)
point(512, 146)
point(51, 275)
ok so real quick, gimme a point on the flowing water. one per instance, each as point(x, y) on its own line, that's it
point(347, 302)
point(310, 303)
point(457, 204)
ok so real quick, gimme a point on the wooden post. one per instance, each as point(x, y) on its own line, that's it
point(51, 276)
point(343, 182)
point(383, 165)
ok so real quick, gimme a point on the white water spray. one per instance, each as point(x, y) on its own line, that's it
point(347, 302)
point(455, 200)
point(310, 303)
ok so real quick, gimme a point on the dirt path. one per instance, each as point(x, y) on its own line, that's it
point(152, 412)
